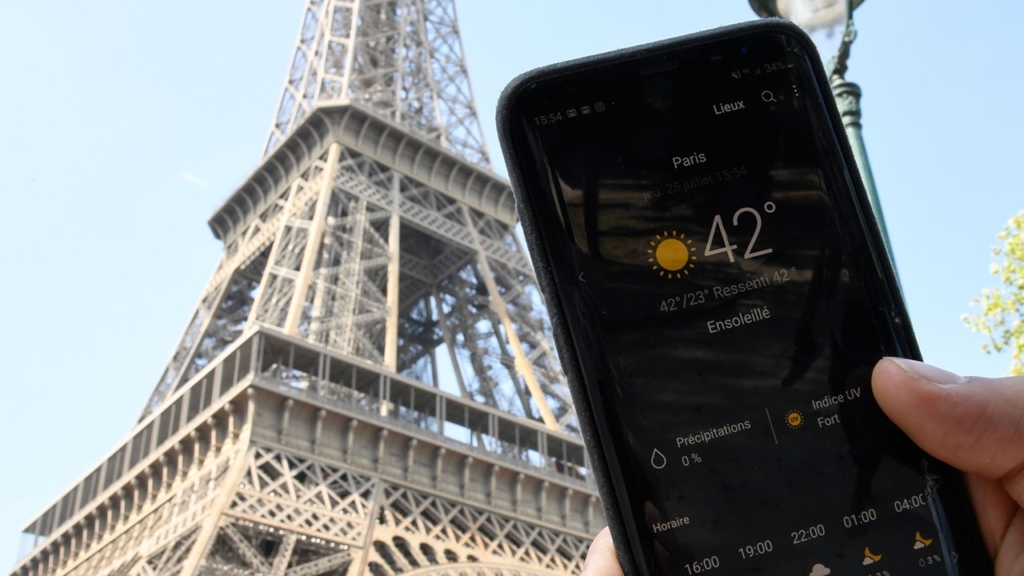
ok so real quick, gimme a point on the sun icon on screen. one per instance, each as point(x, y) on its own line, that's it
point(794, 419)
point(671, 254)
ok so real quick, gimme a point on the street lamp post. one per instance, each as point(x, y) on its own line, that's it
point(818, 16)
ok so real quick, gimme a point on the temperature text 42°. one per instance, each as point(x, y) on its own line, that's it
point(688, 300)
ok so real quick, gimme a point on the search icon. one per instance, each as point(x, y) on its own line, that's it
point(767, 96)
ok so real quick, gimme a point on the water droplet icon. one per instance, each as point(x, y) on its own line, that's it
point(658, 460)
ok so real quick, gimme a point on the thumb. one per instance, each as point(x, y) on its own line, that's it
point(601, 559)
point(974, 424)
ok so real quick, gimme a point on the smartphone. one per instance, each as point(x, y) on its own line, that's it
point(720, 292)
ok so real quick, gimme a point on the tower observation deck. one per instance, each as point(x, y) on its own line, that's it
point(367, 384)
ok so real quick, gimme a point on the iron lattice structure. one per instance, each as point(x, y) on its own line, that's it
point(367, 384)
point(401, 59)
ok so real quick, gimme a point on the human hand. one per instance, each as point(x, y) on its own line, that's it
point(601, 559)
point(974, 424)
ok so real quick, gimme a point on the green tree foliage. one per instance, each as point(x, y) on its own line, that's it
point(1002, 309)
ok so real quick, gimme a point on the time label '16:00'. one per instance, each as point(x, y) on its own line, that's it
point(702, 566)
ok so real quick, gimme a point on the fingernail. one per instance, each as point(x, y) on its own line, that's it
point(929, 373)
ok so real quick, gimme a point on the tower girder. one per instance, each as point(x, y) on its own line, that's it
point(367, 382)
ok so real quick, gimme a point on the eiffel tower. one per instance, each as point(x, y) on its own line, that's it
point(367, 384)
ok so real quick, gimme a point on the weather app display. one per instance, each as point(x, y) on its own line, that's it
point(730, 326)
point(741, 373)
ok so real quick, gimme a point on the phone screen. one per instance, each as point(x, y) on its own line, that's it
point(726, 307)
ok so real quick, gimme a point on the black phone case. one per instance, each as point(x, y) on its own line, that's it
point(582, 400)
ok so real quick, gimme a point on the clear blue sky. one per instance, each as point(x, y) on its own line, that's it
point(128, 122)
